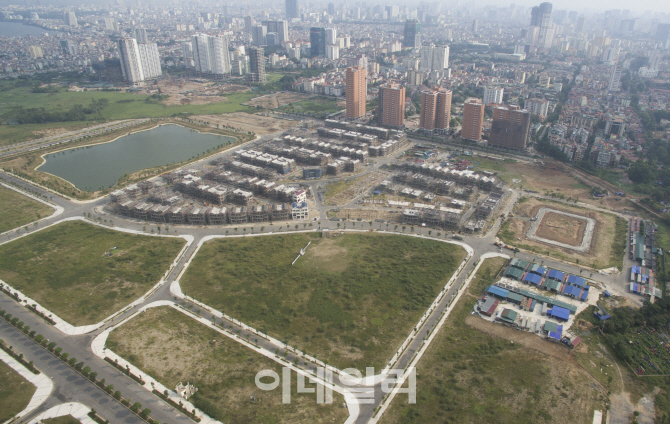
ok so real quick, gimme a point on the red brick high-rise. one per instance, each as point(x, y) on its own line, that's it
point(356, 92)
point(392, 105)
point(473, 119)
point(435, 110)
point(510, 127)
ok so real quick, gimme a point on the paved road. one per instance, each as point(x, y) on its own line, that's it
point(71, 387)
point(16, 149)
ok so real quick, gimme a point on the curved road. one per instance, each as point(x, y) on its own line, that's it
point(70, 387)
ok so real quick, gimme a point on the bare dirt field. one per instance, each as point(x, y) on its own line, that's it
point(367, 215)
point(258, 124)
point(555, 177)
point(273, 101)
point(197, 93)
point(343, 192)
point(599, 254)
point(561, 228)
point(529, 340)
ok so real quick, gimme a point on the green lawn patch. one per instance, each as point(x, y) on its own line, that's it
point(467, 376)
point(120, 105)
point(173, 348)
point(318, 106)
point(17, 210)
point(10, 134)
point(15, 392)
point(83, 272)
point(65, 419)
point(350, 301)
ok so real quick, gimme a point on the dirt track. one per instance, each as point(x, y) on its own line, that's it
point(258, 124)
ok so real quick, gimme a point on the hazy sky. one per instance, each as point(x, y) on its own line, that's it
point(638, 6)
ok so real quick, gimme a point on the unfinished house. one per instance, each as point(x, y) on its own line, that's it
point(197, 215)
point(141, 211)
point(411, 216)
point(175, 215)
point(241, 197)
point(281, 212)
point(126, 207)
point(489, 206)
point(238, 215)
point(217, 216)
point(259, 213)
point(216, 195)
point(157, 213)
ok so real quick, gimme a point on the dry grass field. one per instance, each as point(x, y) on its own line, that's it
point(472, 374)
point(173, 348)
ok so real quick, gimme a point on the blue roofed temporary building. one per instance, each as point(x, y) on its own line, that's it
point(555, 275)
point(537, 269)
point(497, 291)
point(532, 278)
point(559, 313)
point(576, 281)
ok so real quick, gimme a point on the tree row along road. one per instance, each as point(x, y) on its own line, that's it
point(14, 149)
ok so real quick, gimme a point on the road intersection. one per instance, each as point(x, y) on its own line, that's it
point(69, 386)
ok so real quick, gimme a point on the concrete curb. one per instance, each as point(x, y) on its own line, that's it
point(430, 338)
point(99, 349)
point(40, 381)
point(69, 329)
point(77, 410)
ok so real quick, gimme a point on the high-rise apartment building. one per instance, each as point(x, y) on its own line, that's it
point(131, 65)
point(475, 26)
point(187, 54)
point(434, 58)
point(280, 27)
point(493, 95)
point(392, 105)
point(35, 52)
point(510, 127)
point(412, 36)
point(473, 119)
point(615, 78)
point(435, 111)
point(537, 106)
point(581, 24)
point(332, 52)
point(356, 92)
point(541, 31)
point(210, 54)
point(141, 35)
point(111, 24)
point(292, 9)
point(150, 60)
point(249, 23)
point(68, 47)
point(317, 38)
point(258, 35)
point(331, 36)
point(70, 19)
point(257, 64)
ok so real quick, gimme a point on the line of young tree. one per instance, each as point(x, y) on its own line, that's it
point(75, 113)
